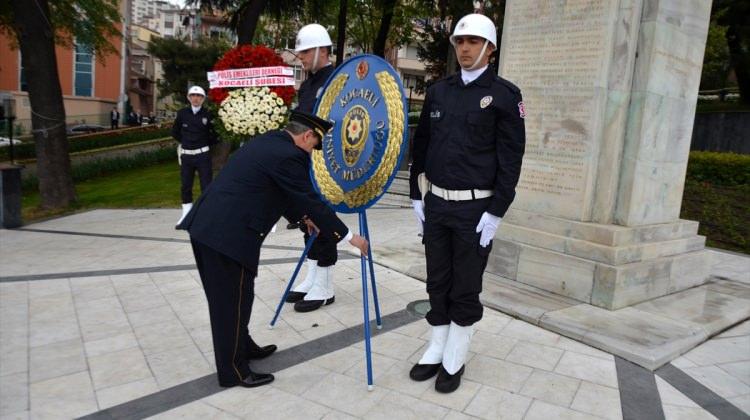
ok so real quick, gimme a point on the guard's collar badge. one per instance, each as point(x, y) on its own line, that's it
point(485, 102)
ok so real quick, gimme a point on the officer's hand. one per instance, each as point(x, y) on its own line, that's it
point(360, 243)
point(487, 226)
point(311, 227)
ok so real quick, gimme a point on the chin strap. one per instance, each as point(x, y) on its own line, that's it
point(479, 57)
point(315, 60)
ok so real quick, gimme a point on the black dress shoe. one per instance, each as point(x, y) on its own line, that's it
point(294, 297)
point(261, 352)
point(292, 226)
point(251, 381)
point(446, 382)
point(311, 305)
point(424, 372)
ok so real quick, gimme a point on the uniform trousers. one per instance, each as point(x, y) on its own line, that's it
point(455, 260)
point(229, 289)
point(323, 248)
point(190, 163)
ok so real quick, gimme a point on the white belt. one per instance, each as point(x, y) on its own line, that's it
point(195, 151)
point(458, 195)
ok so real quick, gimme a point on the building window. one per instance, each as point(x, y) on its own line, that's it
point(168, 24)
point(84, 71)
point(23, 84)
point(298, 73)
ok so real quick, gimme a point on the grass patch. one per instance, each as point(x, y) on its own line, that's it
point(156, 186)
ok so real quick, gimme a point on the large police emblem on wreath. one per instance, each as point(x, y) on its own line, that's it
point(361, 154)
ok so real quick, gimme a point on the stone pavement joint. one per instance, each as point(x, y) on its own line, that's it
point(197, 389)
point(703, 396)
point(639, 396)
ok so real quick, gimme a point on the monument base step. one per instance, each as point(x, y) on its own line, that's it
point(649, 334)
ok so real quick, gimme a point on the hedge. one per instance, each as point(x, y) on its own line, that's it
point(93, 169)
point(717, 168)
point(108, 139)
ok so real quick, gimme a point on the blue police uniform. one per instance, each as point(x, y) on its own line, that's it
point(196, 134)
point(470, 138)
point(264, 179)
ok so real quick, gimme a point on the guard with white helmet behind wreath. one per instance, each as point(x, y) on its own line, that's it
point(193, 129)
point(313, 48)
point(467, 154)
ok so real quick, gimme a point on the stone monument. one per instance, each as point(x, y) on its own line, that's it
point(610, 88)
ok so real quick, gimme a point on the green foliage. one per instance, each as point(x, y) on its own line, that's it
point(434, 47)
point(88, 22)
point(716, 59)
point(102, 167)
point(717, 194)
point(110, 139)
point(184, 64)
point(723, 213)
point(725, 169)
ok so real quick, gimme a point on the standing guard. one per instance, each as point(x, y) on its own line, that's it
point(467, 157)
point(193, 129)
point(313, 47)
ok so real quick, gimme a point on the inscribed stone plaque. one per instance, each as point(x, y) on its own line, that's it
point(558, 53)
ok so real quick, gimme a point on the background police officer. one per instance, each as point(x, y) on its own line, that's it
point(466, 162)
point(313, 48)
point(193, 129)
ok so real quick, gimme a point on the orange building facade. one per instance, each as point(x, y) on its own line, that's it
point(91, 85)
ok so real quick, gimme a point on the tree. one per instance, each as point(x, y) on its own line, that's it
point(716, 63)
point(245, 14)
point(734, 15)
point(36, 28)
point(184, 64)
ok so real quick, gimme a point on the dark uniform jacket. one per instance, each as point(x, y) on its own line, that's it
point(461, 144)
point(256, 186)
point(194, 131)
point(309, 91)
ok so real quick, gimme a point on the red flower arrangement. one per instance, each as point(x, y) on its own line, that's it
point(247, 56)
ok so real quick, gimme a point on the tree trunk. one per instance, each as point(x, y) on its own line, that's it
point(248, 21)
point(36, 40)
point(385, 26)
point(740, 62)
point(341, 38)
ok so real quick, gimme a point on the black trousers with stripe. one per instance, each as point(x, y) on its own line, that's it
point(230, 292)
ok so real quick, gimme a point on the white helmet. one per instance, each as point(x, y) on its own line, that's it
point(311, 36)
point(475, 25)
point(196, 90)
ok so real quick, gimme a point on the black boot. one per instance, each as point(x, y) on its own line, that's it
point(423, 372)
point(311, 305)
point(447, 383)
point(294, 297)
point(255, 351)
point(251, 381)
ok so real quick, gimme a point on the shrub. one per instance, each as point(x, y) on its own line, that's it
point(107, 139)
point(726, 169)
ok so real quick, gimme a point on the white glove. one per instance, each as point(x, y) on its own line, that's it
point(419, 212)
point(488, 224)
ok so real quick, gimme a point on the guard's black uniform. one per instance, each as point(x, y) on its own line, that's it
point(323, 248)
point(194, 132)
point(228, 224)
point(469, 137)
